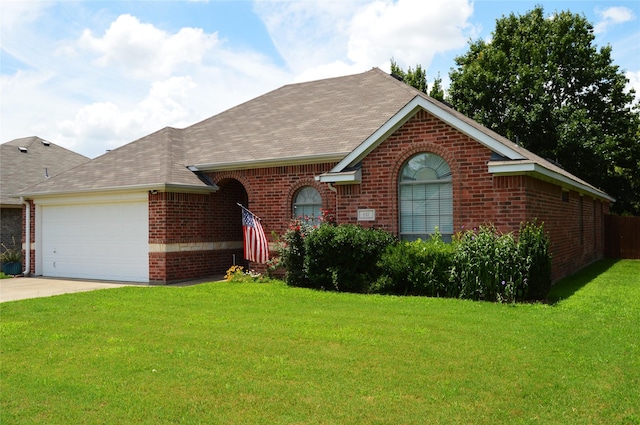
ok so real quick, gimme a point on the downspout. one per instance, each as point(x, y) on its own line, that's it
point(334, 190)
point(27, 249)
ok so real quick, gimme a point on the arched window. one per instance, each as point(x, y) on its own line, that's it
point(426, 198)
point(307, 204)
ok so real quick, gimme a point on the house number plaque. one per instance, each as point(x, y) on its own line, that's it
point(368, 214)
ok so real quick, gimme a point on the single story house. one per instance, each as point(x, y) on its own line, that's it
point(24, 162)
point(367, 147)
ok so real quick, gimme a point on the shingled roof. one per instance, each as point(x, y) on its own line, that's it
point(29, 160)
point(333, 120)
point(306, 122)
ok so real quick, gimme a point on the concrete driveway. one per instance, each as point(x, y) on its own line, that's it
point(20, 288)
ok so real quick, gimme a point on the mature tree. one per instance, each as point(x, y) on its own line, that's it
point(437, 91)
point(542, 82)
point(414, 77)
point(417, 78)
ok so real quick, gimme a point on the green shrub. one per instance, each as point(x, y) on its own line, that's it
point(292, 252)
point(533, 249)
point(344, 258)
point(416, 268)
point(478, 265)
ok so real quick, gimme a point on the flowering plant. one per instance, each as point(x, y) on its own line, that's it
point(238, 274)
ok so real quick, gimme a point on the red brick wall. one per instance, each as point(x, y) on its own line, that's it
point(476, 200)
point(270, 191)
point(185, 218)
point(575, 224)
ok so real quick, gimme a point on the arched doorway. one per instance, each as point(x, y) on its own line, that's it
point(226, 218)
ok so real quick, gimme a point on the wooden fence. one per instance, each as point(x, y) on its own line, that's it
point(622, 237)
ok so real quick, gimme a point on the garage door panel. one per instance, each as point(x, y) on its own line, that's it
point(103, 241)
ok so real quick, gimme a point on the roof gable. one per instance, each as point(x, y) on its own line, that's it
point(514, 158)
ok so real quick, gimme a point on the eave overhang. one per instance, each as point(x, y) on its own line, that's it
point(269, 162)
point(165, 187)
point(344, 177)
point(531, 168)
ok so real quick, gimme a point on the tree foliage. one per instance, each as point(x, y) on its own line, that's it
point(541, 82)
point(416, 78)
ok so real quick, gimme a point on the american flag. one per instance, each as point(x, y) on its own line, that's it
point(256, 247)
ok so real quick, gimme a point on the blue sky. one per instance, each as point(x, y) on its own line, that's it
point(94, 75)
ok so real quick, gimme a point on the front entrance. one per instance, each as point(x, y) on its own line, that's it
point(227, 220)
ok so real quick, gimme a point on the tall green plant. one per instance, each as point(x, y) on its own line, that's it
point(487, 266)
point(533, 249)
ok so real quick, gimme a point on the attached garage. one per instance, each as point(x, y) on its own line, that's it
point(98, 240)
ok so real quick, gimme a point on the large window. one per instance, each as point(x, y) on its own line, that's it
point(426, 198)
point(307, 204)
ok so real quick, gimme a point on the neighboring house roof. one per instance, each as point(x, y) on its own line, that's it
point(27, 161)
point(333, 120)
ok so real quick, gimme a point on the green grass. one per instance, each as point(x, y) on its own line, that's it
point(225, 353)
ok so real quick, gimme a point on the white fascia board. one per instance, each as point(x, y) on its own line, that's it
point(167, 187)
point(404, 114)
point(270, 162)
point(94, 198)
point(345, 177)
point(535, 169)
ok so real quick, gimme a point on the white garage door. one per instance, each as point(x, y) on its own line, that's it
point(97, 241)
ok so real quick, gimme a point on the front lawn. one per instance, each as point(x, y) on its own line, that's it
point(245, 353)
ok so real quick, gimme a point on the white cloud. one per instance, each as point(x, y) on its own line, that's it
point(105, 80)
point(634, 83)
point(142, 50)
point(17, 13)
point(113, 125)
point(26, 106)
point(612, 16)
point(308, 34)
point(322, 39)
point(411, 31)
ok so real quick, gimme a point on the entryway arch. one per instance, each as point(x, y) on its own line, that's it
point(226, 218)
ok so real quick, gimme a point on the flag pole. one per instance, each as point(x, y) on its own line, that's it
point(247, 210)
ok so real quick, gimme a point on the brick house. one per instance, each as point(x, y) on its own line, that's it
point(367, 147)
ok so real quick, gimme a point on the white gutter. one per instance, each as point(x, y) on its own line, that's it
point(166, 187)
point(530, 167)
point(271, 162)
point(27, 249)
